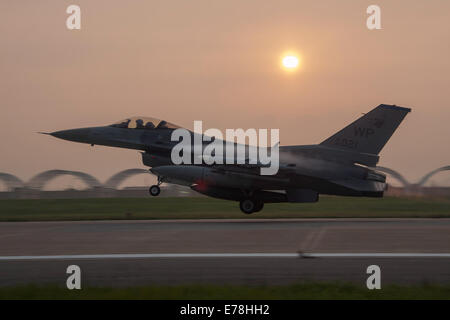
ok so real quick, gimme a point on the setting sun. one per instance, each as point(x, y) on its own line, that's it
point(290, 62)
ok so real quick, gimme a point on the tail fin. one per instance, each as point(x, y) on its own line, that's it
point(369, 133)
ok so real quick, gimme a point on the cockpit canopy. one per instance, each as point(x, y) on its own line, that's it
point(144, 123)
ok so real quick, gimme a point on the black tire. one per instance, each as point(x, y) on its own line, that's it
point(247, 206)
point(259, 206)
point(154, 190)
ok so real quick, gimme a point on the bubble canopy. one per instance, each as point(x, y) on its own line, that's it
point(144, 123)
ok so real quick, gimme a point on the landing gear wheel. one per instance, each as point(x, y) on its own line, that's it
point(259, 206)
point(247, 206)
point(154, 190)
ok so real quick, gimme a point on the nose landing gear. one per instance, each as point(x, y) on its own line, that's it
point(155, 190)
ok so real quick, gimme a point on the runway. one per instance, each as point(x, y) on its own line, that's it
point(242, 251)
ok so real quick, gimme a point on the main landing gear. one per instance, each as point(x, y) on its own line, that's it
point(155, 190)
point(249, 205)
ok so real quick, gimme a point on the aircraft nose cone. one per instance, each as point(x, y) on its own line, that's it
point(79, 135)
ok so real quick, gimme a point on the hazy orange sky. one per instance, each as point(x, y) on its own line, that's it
point(219, 61)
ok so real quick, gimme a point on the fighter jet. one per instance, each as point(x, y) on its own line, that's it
point(342, 165)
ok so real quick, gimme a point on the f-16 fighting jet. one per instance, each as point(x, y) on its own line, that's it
point(342, 164)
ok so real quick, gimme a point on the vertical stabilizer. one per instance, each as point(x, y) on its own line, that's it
point(371, 132)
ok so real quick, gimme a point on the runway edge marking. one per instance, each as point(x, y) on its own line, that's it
point(226, 255)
